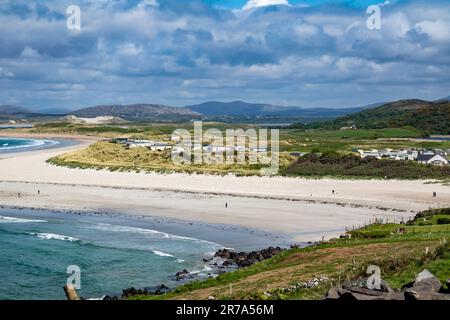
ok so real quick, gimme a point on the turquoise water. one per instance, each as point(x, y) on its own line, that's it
point(16, 144)
point(113, 253)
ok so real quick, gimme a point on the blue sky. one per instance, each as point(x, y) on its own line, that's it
point(311, 53)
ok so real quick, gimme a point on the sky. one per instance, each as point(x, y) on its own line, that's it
point(308, 53)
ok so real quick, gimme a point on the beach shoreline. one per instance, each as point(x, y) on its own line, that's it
point(305, 209)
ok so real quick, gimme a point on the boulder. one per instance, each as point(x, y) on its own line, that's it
point(426, 281)
point(425, 287)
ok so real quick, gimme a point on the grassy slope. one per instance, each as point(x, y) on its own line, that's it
point(427, 116)
point(400, 257)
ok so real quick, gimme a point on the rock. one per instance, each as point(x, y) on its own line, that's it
point(426, 281)
point(412, 295)
point(333, 294)
point(182, 274)
point(131, 292)
point(244, 259)
point(425, 287)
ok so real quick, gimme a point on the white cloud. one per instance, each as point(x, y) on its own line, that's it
point(29, 53)
point(262, 3)
point(438, 30)
point(6, 73)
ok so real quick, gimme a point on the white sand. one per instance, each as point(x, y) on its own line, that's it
point(301, 207)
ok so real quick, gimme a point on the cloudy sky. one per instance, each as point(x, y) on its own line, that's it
point(311, 53)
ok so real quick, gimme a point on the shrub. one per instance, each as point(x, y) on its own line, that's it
point(375, 234)
point(443, 221)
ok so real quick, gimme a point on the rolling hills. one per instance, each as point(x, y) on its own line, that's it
point(430, 117)
point(138, 112)
point(241, 108)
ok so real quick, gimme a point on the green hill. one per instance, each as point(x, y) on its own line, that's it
point(432, 117)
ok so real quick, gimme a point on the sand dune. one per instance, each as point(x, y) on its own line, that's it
point(304, 208)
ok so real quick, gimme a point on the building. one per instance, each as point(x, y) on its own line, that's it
point(390, 154)
point(435, 159)
point(160, 146)
point(140, 143)
point(352, 127)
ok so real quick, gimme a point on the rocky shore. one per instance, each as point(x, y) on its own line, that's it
point(224, 260)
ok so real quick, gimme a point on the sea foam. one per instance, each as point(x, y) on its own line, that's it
point(153, 233)
point(162, 254)
point(52, 236)
point(18, 220)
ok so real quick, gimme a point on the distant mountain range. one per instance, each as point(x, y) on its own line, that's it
point(138, 112)
point(432, 117)
point(443, 99)
point(241, 108)
point(426, 115)
point(13, 110)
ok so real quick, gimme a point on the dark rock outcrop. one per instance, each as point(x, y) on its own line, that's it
point(245, 259)
point(182, 274)
point(425, 287)
point(131, 292)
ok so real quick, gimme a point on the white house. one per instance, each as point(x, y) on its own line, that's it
point(435, 159)
point(160, 147)
point(140, 143)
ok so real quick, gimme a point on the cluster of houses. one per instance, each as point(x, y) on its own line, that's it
point(436, 156)
point(161, 146)
point(152, 145)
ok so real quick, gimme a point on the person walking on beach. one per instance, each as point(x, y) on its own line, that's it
point(39, 192)
point(434, 194)
point(18, 194)
point(226, 204)
point(333, 192)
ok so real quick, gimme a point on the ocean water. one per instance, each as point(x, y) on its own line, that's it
point(112, 252)
point(18, 144)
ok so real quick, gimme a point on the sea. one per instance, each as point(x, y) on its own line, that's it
point(40, 250)
point(19, 144)
point(103, 252)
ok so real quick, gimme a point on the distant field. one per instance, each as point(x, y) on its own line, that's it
point(290, 139)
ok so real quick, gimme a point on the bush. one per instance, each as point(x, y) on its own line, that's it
point(443, 221)
point(375, 234)
point(350, 165)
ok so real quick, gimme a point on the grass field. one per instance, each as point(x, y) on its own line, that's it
point(399, 255)
point(290, 139)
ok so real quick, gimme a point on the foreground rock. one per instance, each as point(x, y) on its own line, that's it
point(425, 287)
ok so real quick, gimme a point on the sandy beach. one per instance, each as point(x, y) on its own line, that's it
point(303, 208)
